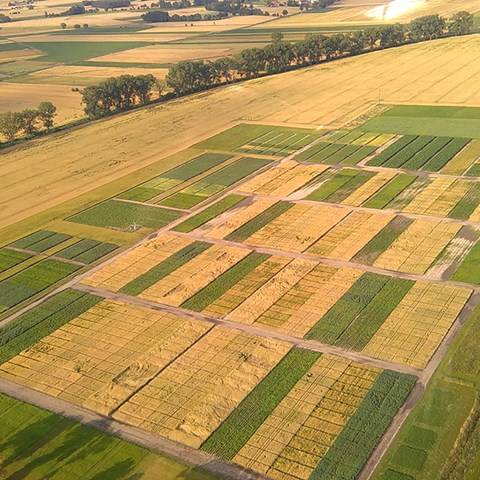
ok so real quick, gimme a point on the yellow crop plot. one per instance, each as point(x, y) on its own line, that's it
point(439, 197)
point(299, 309)
point(462, 160)
point(347, 238)
point(223, 225)
point(297, 228)
point(194, 275)
point(318, 407)
point(134, 263)
point(284, 179)
point(415, 329)
point(369, 188)
point(418, 246)
point(475, 216)
point(104, 355)
point(193, 395)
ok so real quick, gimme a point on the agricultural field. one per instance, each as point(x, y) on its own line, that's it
point(263, 276)
point(155, 386)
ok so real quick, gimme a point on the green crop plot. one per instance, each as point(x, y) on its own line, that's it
point(209, 213)
point(71, 52)
point(157, 185)
point(215, 183)
point(258, 139)
point(41, 241)
point(87, 251)
point(469, 270)
point(356, 317)
point(125, 216)
point(39, 444)
point(338, 180)
point(29, 328)
point(11, 258)
point(32, 280)
point(227, 440)
point(393, 188)
point(356, 442)
point(462, 122)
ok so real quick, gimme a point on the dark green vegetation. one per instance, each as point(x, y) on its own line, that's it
point(336, 153)
point(161, 270)
point(241, 135)
point(214, 183)
point(363, 431)
point(228, 439)
point(380, 242)
point(157, 185)
point(258, 222)
point(221, 284)
point(87, 251)
point(341, 185)
point(125, 216)
point(71, 52)
point(441, 434)
point(469, 270)
point(37, 444)
point(32, 326)
point(10, 258)
point(40, 241)
point(360, 312)
point(393, 188)
point(462, 122)
point(32, 280)
point(419, 153)
point(209, 213)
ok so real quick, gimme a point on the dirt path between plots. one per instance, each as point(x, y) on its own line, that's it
point(126, 432)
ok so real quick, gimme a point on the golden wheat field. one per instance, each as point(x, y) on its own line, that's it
point(330, 95)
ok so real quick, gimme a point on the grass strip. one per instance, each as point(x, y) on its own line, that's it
point(209, 213)
point(469, 270)
point(264, 218)
point(390, 191)
point(370, 319)
point(164, 268)
point(380, 242)
point(42, 320)
point(224, 282)
point(330, 186)
point(228, 439)
point(333, 324)
point(353, 184)
point(469, 202)
point(392, 150)
point(356, 442)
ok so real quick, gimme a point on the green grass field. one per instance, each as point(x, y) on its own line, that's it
point(439, 439)
point(71, 52)
point(463, 122)
point(122, 215)
point(36, 445)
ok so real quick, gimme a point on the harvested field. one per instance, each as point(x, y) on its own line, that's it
point(320, 101)
point(168, 54)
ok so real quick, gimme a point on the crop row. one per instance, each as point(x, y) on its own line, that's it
point(42, 320)
point(356, 442)
point(214, 183)
point(32, 280)
point(277, 143)
point(10, 258)
point(41, 241)
point(157, 185)
point(228, 439)
point(86, 251)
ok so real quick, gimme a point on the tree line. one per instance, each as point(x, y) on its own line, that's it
point(27, 122)
point(194, 75)
point(118, 94)
point(159, 16)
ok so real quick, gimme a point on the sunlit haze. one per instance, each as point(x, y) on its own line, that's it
point(395, 9)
